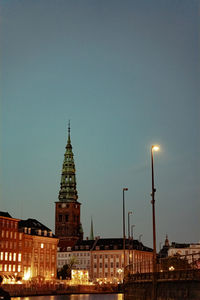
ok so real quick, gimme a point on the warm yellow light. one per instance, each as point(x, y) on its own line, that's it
point(171, 268)
point(155, 148)
point(27, 275)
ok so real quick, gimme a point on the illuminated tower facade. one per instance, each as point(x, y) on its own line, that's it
point(68, 227)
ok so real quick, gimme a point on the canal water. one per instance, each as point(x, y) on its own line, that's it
point(74, 297)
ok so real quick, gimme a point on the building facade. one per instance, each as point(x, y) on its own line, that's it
point(10, 246)
point(190, 251)
point(104, 258)
point(68, 227)
point(28, 249)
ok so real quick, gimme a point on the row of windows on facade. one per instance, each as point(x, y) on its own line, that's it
point(10, 245)
point(10, 256)
point(72, 254)
point(9, 224)
point(15, 245)
point(10, 234)
point(10, 268)
point(95, 256)
point(65, 218)
point(105, 275)
point(117, 256)
point(107, 265)
point(64, 205)
point(39, 232)
point(44, 246)
point(18, 256)
point(78, 262)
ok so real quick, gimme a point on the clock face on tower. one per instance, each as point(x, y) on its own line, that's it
point(63, 205)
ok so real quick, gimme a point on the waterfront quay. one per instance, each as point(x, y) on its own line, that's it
point(22, 290)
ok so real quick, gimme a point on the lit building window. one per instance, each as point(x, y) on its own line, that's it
point(7, 233)
point(1, 256)
point(13, 268)
point(15, 235)
point(9, 268)
point(10, 256)
point(14, 256)
point(20, 236)
point(42, 245)
point(6, 255)
point(1, 268)
point(2, 233)
point(11, 234)
point(19, 268)
point(19, 257)
point(5, 268)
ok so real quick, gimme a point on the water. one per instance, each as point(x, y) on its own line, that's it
point(75, 297)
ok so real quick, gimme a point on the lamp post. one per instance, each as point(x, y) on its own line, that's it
point(153, 148)
point(124, 236)
point(129, 213)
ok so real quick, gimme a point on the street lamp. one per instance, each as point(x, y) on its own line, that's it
point(153, 148)
point(124, 237)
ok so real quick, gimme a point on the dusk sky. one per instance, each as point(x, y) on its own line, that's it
point(127, 75)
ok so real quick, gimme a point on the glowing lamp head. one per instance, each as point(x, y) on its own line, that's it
point(155, 148)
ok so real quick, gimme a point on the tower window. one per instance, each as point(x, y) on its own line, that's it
point(60, 218)
point(66, 218)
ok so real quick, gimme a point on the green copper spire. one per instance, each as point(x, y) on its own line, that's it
point(91, 231)
point(68, 192)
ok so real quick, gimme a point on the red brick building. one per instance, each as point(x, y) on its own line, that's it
point(27, 249)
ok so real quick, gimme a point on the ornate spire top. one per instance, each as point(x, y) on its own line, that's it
point(69, 139)
point(68, 190)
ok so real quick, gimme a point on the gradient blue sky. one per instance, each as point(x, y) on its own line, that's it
point(126, 73)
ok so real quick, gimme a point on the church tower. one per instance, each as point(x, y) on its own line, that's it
point(68, 227)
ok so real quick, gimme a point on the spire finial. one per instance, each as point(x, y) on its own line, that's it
point(69, 127)
point(69, 139)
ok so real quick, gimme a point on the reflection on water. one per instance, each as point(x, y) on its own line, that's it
point(75, 297)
